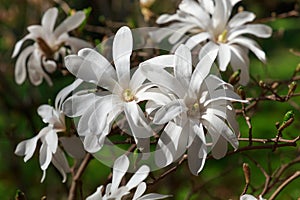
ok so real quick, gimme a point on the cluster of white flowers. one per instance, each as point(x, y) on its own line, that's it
point(209, 24)
point(193, 106)
point(49, 46)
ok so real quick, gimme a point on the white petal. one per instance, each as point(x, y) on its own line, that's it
point(100, 62)
point(45, 156)
point(76, 44)
point(49, 18)
point(139, 190)
point(221, 128)
point(76, 105)
point(122, 49)
point(120, 168)
point(90, 71)
point(70, 23)
point(207, 48)
point(26, 148)
point(221, 14)
point(19, 44)
point(63, 93)
point(82, 126)
point(20, 69)
point(137, 80)
point(240, 60)
point(165, 18)
point(224, 56)
point(164, 79)
point(52, 140)
point(91, 143)
point(180, 33)
point(98, 119)
point(138, 123)
point(202, 69)
point(162, 61)
point(171, 144)
point(208, 5)
point(220, 148)
point(161, 33)
point(252, 45)
point(247, 197)
point(46, 112)
point(197, 39)
point(197, 154)
point(241, 18)
point(60, 162)
point(183, 65)
point(153, 196)
point(193, 8)
point(169, 111)
point(97, 195)
point(139, 176)
point(259, 30)
point(35, 71)
point(69, 143)
point(49, 65)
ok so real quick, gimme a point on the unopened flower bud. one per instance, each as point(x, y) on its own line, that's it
point(262, 84)
point(241, 92)
point(292, 87)
point(287, 120)
point(20, 195)
point(235, 77)
point(246, 170)
point(298, 68)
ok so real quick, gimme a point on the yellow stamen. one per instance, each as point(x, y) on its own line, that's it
point(223, 37)
point(128, 95)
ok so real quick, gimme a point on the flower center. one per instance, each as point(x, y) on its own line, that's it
point(194, 110)
point(48, 51)
point(222, 38)
point(128, 95)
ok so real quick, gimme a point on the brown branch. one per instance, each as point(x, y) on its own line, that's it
point(163, 175)
point(274, 17)
point(284, 184)
point(77, 176)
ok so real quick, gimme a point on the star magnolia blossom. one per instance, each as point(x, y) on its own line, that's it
point(209, 23)
point(124, 92)
point(49, 44)
point(200, 109)
point(49, 151)
point(250, 197)
point(115, 192)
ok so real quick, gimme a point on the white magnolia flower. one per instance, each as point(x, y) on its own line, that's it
point(123, 93)
point(49, 44)
point(115, 192)
point(250, 197)
point(209, 24)
point(49, 151)
point(199, 112)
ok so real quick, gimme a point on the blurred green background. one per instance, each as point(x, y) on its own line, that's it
point(220, 179)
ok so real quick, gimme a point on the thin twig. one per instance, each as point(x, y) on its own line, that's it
point(284, 184)
point(77, 176)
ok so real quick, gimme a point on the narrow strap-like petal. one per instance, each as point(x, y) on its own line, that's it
point(120, 168)
point(241, 18)
point(224, 56)
point(70, 23)
point(49, 19)
point(139, 176)
point(20, 68)
point(183, 65)
point(169, 111)
point(122, 49)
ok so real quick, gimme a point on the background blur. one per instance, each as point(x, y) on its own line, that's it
point(220, 179)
